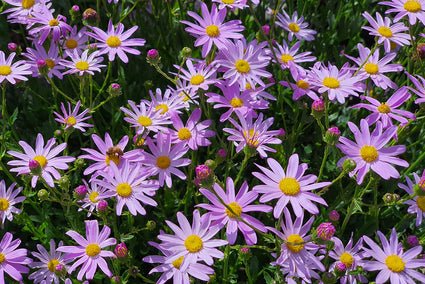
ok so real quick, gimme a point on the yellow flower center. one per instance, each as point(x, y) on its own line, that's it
point(251, 137)
point(5, 70)
point(197, 80)
point(2, 258)
point(113, 41)
point(41, 160)
point(70, 121)
point(82, 65)
point(52, 264)
point(50, 63)
point(248, 86)
point(236, 208)
point(289, 186)
point(124, 189)
point(242, 66)
point(236, 102)
point(347, 259)
point(193, 243)
point(369, 153)
point(93, 197)
point(393, 45)
point(395, 263)
point(114, 158)
point(144, 121)
point(412, 6)
point(186, 97)
point(294, 27)
point(71, 43)
point(384, 108)
point(4, 204)
point(53, 22)
point(176, 263)
point(295, 239)
point(228, 1)
point(184, 134)
point(26, 4)
point(163, 162)
point(164, 108)
point(371, 68)
point(212, 31)
point(286, 57)
point(92, 249)
point(384, 31)
point(331, 82)
point(421, 203)
point(303, 84)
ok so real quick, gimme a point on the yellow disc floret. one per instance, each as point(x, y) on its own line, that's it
point(5, 70)
point(184, 134)
point(124, 189)
point(164, 108)
point(286, 57)
point(347, 259)
point(92, 249)
point(412, 6)
point(242, 66)
point(236, 102)
point(228, 1)
point(371, 68)
point(144, 121)
point(71, 43)
point(303, 84)
point(421, 203)
point(82, 65)
point(163, 162)
point(384, 108)
point(41, 160)
point(2, 258)
point(369, 153)
point(52, 265)
point(53, 22)
point(295, 239)
point(113, 41)
point(294, 27)
point(26, 4)
point(212, 31)
point(4, 204)
point(331, 82)
point(289, 186)
point(71, 121)
point(176, 263)
point(193, 243)
point(384, 31)
point(50, 63)
point(395, 263)
point(236, 208)
point(93, 197)
point(197, 80)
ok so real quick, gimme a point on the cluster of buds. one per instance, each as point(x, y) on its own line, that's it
point(390, 198)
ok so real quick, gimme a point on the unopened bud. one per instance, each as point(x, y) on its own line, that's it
point(12, 46)
point(102, 206)
point(325, 231)
point(151, 225)
point(388, 198)
point(64, 183)
point(334, 216)
point(186, 52)
point(43, 194)
point(266, 29)
point(202, 172)
point(332, 135)
point(349, 165)
point(114, 90)
point(35, 167)
point(80, 192)
point(121, 250)
point(412, 241)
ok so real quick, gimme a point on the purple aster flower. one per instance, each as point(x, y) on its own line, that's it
point(419, 86)
point(51, 58)
point(83, 63)
point(169, 103)
point(391, 262)
point(76, 40)
point(12, 72)
point(72, 119)
point(12, 259)
point(89, 251)
point(286, 54)
point(22, 9)
point(290, 187)
point(413, 9)
point(231, 4)
point(116, 41)
point(212, 30)
point(199, 76)
point(189, 95)
point(47, 25)
point(369, 152)
point(387, 111)
point(44, 156)
point(165, 159)
point(302, 84)
point(253, 134)
point(417, 203)
point(8, 200)
point(239, 204)
point(95, 194)
point(193, 243)
point(295, 26)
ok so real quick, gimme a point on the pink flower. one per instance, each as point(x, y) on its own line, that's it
point(12, 258)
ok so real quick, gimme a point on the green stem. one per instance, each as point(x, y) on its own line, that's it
point(5, 170)
point(322, 166)
point(59, 91)
point(226, 263)
point(105, 82)
point(244, 162)
point(129, 11)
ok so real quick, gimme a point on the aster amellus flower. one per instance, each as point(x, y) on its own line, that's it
point(285, 54)
point(199, 76)
point(51, 58)
point(420, 89)
point(12, 259)
point(72, 119)
point(417, 204)
point(13, 71)
point(46, 24)
point(22, 9)
point(8, 200)
point(295, 26)
point(83, 63)
point(413, 9)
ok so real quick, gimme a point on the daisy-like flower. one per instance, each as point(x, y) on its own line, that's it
point(417, 204)
point(47, 264)
point(194, 133)
point(169, 103)
point(295, 26)
point(95, 193)
point(51, 58)
point(76, 40)
point(338, 84)
point(231, 4)
point(193, 243)
point(297, 251)
point(41, 161)
point(286, 54)
point(12, 72)
point(212, 30)
point(116, 41)
point(369, 151)
point(130, 187)
point(302, 85)
point(165, 159)
point(90, 251)
point(386, 32)
point(413, 9)
point(243, 63)
point(48, 25)
point(72, 118)
point(8, 200)
point(83, 63)
point(290, 187)
point(22, 9)
point(387, 111)
point(374, 68)
point(221, 215)
point(199, 75)
point(391, 262)
point(419, 86)
point(12, 259)
point(189, 96)
point(253, 134)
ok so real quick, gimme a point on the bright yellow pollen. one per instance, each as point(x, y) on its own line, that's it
point(242, 66)
point(412, 6)
point(369, 153)
point(163, 162)
point(52, 264)
point(347, 259)
point(295, 239)
point(395, 263)
point(70, 121)
point(93, 197)
point(289, 186)
point(251, 137)
point(294, 27)
point(124, 189)
point(186, 97)
point(71, 43)
point(4, 204)
point(236, 208)
point(5, 70)
point(50, 63)
point(92, 249)
point(393, 45)
point(212, 31)
point(41, 160)
point(303, 84)
point(26, 4)
point(164, 108)
point(2, 258)
point(82, 65)
point(331, 82)
point(114, 158)
point(193, 243)
point(384, 31)
point(176, 263)
point(286, 57)
point(248, 86)
point(371, 68)
point(53, 22)
point(228, 1)
point(144, 121)
point(184, 134)
point(421, 203)
point(197, 80)
point(113, 41)
point(236, 102)
point(384, 108)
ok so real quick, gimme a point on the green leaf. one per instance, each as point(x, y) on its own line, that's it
point(13, 117)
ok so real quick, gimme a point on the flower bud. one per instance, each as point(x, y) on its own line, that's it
point(412, 241)
point(197, 182)
point(245, 250)
point(340, 269)
point(116, 280)
point(43, 69)
point(388, 198)
point(151, 225)
point(121, 250)
point(64, 183)
point(80, 192)
point(202, 172)
point(79, 163)
point(266, 29)
point(43, 194)
point(332, 135)
point(35, 167)
point(222, 153)
point(186, 52)
point(325, 231)
point(12, 46)
point(133, 271)
point(90, 17)
point(57, 133)
point(318, 109)
point(328, 278)
point(92, 47)
point(148, 84)
point(349, 165)
point(102, 206)
point(114, 90)
point(60, 270)
point(153, 57)
point(334, 216)
point(282, 133)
